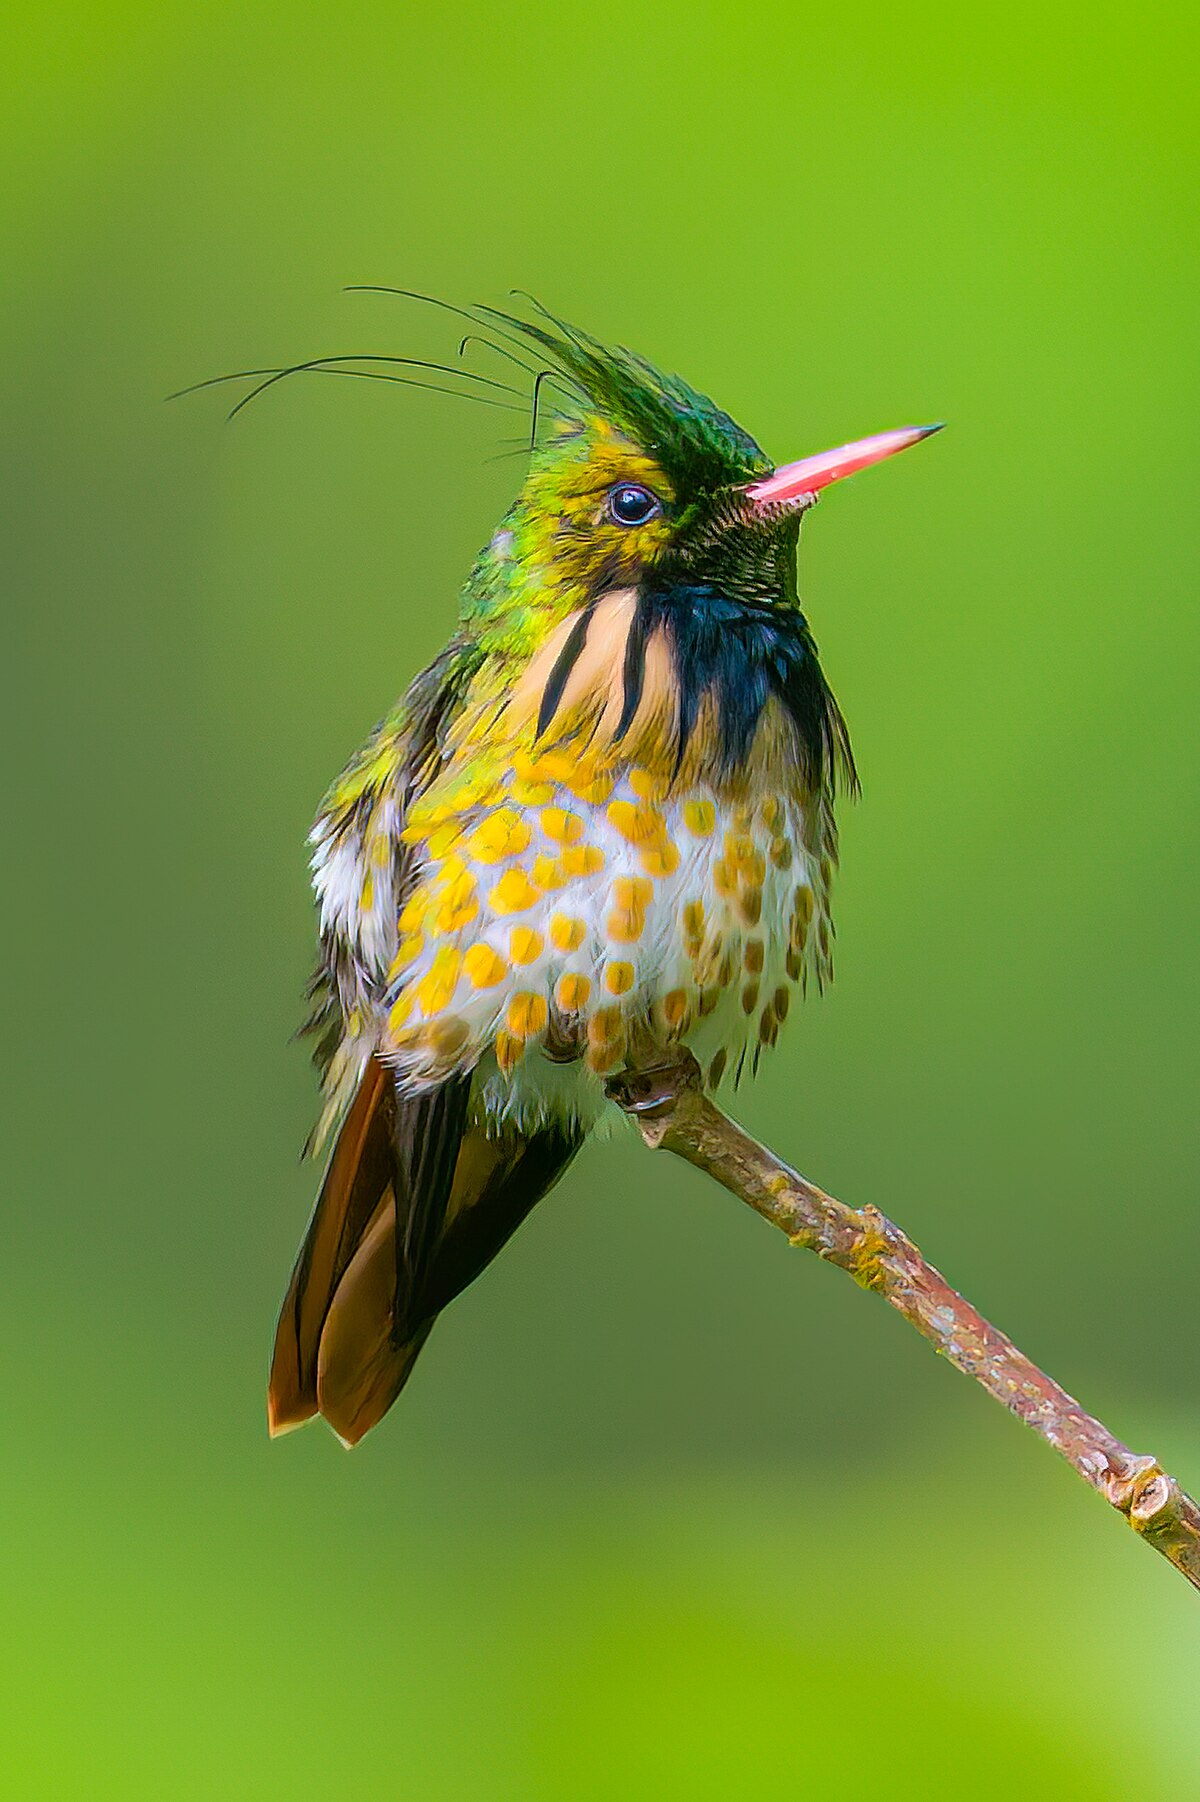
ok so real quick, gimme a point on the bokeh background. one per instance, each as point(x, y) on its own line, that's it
point(668, 1512)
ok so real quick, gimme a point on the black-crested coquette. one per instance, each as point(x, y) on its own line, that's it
point(603, 818)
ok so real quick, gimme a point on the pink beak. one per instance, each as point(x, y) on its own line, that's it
point(812, 474)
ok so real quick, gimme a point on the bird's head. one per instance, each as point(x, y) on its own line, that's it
point(652, 532)
point(641, 479)
point(643, 583)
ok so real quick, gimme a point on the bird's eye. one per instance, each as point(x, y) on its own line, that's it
point(629, 504)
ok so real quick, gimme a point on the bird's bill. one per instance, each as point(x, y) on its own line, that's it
point(811, 474)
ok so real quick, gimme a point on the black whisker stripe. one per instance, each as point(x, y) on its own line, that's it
point(564, 664)
point(634, 672)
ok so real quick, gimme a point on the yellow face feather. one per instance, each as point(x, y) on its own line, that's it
point(560, 544)
point(570, 496)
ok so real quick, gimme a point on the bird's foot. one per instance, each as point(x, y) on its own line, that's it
point(652, 1087)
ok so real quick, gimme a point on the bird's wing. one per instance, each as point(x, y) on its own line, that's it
point(363, 872)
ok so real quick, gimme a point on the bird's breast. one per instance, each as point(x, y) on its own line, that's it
point(569, 907)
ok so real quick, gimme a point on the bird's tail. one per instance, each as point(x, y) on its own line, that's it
point(347, 1336)
point(415, 1203)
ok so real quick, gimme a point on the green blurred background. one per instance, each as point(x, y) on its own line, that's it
point(668, 1512)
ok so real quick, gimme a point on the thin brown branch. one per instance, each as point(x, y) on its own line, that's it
point(667, 1101)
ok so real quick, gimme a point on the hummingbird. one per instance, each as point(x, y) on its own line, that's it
point(602, 820)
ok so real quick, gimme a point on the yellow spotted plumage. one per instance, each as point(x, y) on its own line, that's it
point(672, 893)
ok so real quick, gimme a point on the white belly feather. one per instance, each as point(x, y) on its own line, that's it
point(536, 938)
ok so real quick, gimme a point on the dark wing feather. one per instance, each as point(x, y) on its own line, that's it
point(416, 730)
point(427, 1131)
point(522, 1171)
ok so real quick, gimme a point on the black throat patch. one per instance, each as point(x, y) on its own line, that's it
point(743, 654)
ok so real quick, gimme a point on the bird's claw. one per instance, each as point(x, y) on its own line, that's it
point(653, 1089)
